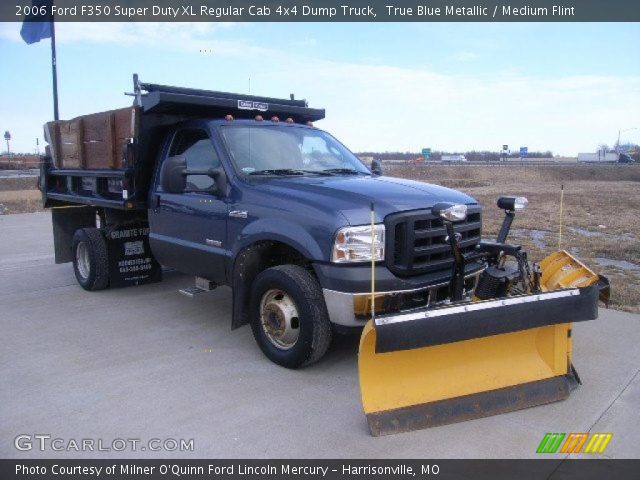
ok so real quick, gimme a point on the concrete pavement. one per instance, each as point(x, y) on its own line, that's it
point(147, 362)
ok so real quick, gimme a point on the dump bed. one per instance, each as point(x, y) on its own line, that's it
point(107, 159)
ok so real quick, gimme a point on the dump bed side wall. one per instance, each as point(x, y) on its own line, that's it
point(94, 141)
point(89, 155)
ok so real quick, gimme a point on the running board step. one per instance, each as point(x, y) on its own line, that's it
point(202, 286)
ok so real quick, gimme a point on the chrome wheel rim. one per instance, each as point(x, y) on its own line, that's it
point(279, 319)
point(82, 260)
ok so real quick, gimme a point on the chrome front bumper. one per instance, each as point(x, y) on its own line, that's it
point(341, 308)
point(346, 309)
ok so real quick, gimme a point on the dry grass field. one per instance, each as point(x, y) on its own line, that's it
point(601, 204)
point(601, 220)
point(19, 195)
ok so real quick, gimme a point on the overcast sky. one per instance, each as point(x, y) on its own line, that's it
point(386, 87)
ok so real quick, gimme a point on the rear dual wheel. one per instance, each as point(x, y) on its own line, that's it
point(90, 259)
point(289, 318)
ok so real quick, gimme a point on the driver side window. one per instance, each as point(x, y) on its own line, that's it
point(195, 146)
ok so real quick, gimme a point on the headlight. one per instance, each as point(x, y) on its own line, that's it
point(353, 244)
point(454, 212)
point(513, 203)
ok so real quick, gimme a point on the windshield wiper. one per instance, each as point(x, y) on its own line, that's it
point(344, 171)
point(288, 171)
point(278, 171)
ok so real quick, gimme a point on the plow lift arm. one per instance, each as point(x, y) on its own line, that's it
point(504, 347)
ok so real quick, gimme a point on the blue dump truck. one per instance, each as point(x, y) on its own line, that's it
point(245, 192)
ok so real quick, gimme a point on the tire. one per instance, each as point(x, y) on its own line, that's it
point(300, 289)
point(90, 259)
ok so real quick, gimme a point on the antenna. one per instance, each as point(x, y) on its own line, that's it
point(561, 211)
point(373, 266)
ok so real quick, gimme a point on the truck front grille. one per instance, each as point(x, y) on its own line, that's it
point(416, 241)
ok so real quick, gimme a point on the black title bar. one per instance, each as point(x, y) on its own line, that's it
point(326, 10)
point(556, 468)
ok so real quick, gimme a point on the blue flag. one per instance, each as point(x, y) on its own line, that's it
point(38, 26)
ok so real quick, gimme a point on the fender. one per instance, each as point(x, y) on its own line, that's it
point(273, 229)
point(251, 257)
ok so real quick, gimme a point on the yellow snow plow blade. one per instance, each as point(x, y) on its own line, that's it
point(470, 360)
point(563, 270)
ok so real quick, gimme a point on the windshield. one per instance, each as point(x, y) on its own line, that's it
point(271, 150)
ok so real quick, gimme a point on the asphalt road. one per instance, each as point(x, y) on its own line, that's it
point(147, 362)
point(33, 172)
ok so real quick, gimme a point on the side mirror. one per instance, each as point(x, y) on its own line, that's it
point(220, 177)
point(173, 177)
point(376, 166)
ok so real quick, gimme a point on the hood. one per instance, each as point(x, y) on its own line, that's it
point(352, 196)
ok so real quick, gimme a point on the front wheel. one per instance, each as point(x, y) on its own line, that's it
point(289, 318)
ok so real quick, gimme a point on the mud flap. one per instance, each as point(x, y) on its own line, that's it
point(131, 261)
